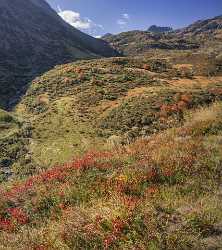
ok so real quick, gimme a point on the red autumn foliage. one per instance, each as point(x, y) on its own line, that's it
point(183, 102)
point(41, 247)
point(59, 173)
point(168, 173)
point(166, 108)
point(186, 98)
point(181, 105)
point(62, 206)
point(66, 80)
point(151, 190)
point(152, 174)
point(146, 67)
point(6, 225)
point(78, 70)
point(117, 227)
point(108, 241)
point(130, 202)
point(98, 218)
point(216, 91)
point(16, 215)
point(19, 215)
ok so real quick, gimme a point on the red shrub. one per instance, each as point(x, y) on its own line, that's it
point(19, 215)
point(117, 227)
point(41, 247)
point(182, 105)
point(130, 202)
point(168, 173)
point(151, 190)
point(186, 98)
point(146, 67)
point(152, 174)
point(78, 70)
point(108, 241)
point(6, 225)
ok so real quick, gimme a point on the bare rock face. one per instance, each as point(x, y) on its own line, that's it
point(34, 39)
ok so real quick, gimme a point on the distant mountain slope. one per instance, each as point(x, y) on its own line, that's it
point(209, 26)
point(134, 42)
point(159, 29)
point(33, 39)
point(205, 34)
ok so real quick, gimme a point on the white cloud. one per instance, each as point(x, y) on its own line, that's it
point(121, 22)
point(84, 24)
point(124, 20)
point(126, 16)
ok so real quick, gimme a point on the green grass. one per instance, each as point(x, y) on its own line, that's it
point(117, 153)
point(77, 107)
point(162, 192)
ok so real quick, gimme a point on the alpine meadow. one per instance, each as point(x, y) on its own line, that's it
point(113, 142)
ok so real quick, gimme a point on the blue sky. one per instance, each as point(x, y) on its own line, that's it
point(98, 17)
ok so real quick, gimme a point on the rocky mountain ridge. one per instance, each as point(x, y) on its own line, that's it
point(205, 34)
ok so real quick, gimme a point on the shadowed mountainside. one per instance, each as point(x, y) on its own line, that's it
point(34, 39)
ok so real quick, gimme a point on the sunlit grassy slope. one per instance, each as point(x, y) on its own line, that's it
point(92, 104)
point(120, 153)
point(162, 192)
